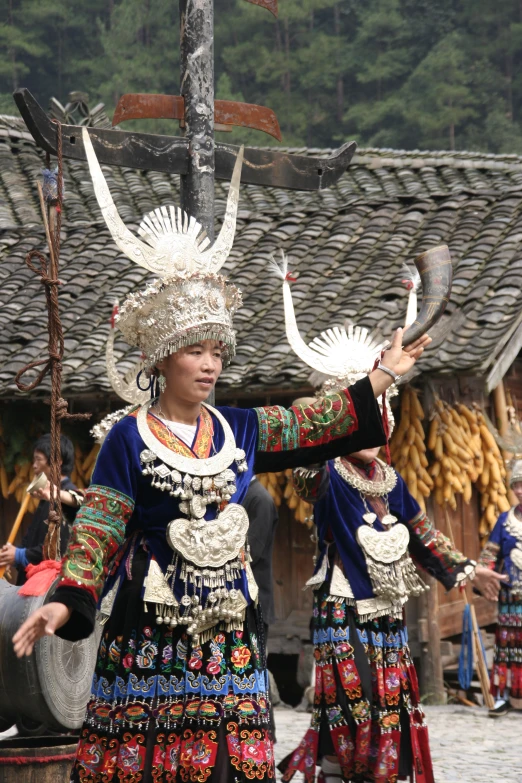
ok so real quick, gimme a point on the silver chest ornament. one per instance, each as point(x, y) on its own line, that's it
point(390, 567)
point(208, 553)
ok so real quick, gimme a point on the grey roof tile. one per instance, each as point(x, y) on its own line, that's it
point(346, 247)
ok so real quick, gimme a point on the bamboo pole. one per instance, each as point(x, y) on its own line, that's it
point(16, 527)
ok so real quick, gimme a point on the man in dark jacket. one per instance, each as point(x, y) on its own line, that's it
point(262, 515)
point(31, 550)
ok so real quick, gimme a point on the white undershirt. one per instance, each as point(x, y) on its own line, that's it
point(184, 432)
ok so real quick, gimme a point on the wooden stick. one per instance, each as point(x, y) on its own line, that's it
point(16, 526)
point(46, 222)
point(481, 664)
point(479, 661)
point(502, 422)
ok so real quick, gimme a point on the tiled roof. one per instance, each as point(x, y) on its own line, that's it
point(347, 246)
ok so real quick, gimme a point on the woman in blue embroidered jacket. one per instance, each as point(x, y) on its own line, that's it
point(503, 553)
point(367, 722)
point(180, 690)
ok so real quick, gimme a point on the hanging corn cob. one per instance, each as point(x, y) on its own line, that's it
point(408, 448)
point(281, 489)
point(465, 453)
point(492, 479)
point(274, 483)
point(89, 462)
point(453, 440)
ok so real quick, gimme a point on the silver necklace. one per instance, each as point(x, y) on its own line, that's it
point(209, 553)
point(367, 486)
point(211, 466)
point(390, 568)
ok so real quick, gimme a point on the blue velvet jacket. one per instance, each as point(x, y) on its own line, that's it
point(121, 505)
point(339, 513)
point(497, 552)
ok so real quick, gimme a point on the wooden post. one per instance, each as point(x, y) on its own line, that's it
point(431, 674)
point(197, 88)
point(502, 424)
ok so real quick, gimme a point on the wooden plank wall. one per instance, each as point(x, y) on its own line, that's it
point(464, 526)
point(293, 565)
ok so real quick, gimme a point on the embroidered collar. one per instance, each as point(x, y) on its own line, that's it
point(374, 487)
point(202, 444)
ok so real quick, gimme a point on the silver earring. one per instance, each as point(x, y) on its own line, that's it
point(162, 383)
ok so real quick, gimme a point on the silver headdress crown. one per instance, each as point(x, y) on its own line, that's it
point(339, 356)
point(190, 301)
point(125, 386)
point(516, 472)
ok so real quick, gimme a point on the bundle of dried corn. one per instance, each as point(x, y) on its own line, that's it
point(408, 448)
point(281, 488)
point(84, 466)
point(453, 440)
point(491, 482)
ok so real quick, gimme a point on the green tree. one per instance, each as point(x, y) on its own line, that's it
point(438, 94)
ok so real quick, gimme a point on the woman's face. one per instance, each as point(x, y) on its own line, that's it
point(517, 489)
point(192, 372)
point(366, 455)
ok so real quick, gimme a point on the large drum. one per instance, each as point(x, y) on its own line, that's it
point(52, 685)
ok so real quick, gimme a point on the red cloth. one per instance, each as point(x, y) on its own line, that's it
point(40, 577)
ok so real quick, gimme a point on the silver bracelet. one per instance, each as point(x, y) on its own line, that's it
point(388, 372)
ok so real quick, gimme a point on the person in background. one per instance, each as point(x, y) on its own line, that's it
point(262, 519)
point(31, 550)
point(503, 553)
point(262, 516)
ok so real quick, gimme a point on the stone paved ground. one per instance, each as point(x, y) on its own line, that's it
point(466, 745)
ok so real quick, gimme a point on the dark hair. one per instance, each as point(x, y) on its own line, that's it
point(43, 444)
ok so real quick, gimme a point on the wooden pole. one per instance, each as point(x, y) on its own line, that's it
point(432, 679)
point(502, 423)
point(432, 676)
point(197, 88)
point(16, 527)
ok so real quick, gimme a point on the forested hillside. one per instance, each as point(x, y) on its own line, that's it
point(439, 74)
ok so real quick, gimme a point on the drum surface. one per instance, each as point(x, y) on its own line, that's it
point(53, 684)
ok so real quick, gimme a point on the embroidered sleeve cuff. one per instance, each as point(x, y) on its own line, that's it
point(338, 424)
point(81, 622)
point(97, 533)
point(284, 429)
point(489, 555)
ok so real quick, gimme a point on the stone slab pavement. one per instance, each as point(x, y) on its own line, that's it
point(466, 745)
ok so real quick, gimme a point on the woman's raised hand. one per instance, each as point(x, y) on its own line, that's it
point(400, 359)
point(44, 622)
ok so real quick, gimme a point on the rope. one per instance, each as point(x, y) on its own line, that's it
point(48, 272)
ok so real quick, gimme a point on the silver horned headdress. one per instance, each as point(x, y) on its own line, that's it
point(190, 301)
point(339, 356)
point(125, 385)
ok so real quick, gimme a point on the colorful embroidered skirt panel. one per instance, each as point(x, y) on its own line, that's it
point(506, 675)
point(162, 710)
point(366, 710)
